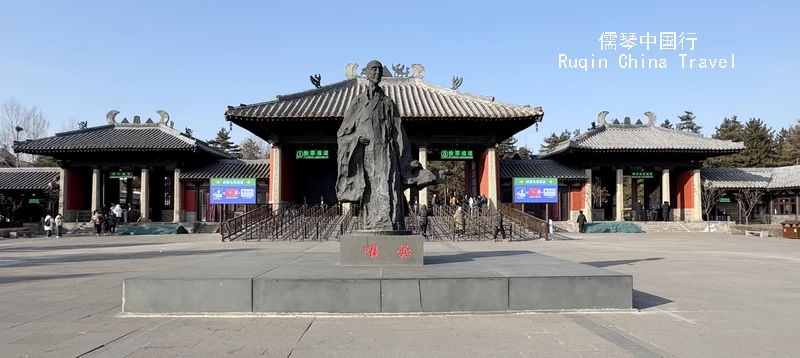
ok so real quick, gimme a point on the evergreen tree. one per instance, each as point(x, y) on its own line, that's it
point(730, 129)
point(667, 124)
point(253, 148)
point(788, 145)
point(759, 145)
point(223, 142)
point(524, 153)
point(687, 123)
point(507, 148)
point(44, 161)
point(553, 140)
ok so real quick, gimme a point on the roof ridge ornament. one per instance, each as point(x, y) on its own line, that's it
point(401, 71)
point(316, 80)
point(111, 116)
point(164, 116)
point(457, 81)
point(601, 118)
point(651, 118)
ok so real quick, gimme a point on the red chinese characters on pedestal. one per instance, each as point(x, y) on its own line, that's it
point(371, 250)
point(404, 251)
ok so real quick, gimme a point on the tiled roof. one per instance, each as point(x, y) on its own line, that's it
point(643, 138)
point(539, 168)
point(753, 178)
point(118, 138)
point(27, 178)
point(415, 98)
point(229, 168)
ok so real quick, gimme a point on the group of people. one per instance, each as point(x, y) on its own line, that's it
point(458, 218)
point(105, 219)
point(56, 223)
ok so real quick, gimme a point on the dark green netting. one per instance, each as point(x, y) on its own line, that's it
point(153, 230)
point(610, 227)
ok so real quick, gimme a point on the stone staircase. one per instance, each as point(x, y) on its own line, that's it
point(663, 226)
point(206, 228)
point(657, 226)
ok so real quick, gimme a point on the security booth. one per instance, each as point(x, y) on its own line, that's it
point(790, 229)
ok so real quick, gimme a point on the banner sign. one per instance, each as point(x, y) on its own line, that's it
point(312, 154)
point(450, 154)
point(121, 175)
point(724, 200)
point(535, 190)
point(233, 191)
point(642, 175)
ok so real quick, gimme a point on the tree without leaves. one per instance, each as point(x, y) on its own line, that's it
point(748, 198)
point(599, 194)
point(667, 124)
point(18, 123)
point(253, 148)
point(687, 123)
point(70, 124)
point(710, 196)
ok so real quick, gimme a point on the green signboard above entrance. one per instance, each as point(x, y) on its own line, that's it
point(724, 200)
point(312, 154)
point(121, 175)
point(642, 175)
point(452, 154)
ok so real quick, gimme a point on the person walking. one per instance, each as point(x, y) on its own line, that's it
point(498, 228)
point(59, 225)
point(98, 223)
point(48, 225)
point(118, 214)
point(581, 222)
point(423, 220)
point(458, 217)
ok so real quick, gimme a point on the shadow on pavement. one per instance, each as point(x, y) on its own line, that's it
point(78, 246)
point(619, 262)
point(642, 300)
point(469, 256)
point(15, 279)
point(49, 260)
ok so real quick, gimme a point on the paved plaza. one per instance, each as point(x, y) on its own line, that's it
point(696, 295)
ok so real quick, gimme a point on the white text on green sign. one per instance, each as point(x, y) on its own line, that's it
point(542, 181)
point(455, 154)
point(312, 154)
point(233, 182)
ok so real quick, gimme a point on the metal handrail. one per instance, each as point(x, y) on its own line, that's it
point(527, 221)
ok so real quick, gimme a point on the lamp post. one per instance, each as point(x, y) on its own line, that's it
point(16, 139)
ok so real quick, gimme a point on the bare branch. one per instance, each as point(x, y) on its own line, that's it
point(748, 198)
point(18, 123)
point(710, 196)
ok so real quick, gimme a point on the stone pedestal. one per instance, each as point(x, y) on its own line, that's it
point(381, 248)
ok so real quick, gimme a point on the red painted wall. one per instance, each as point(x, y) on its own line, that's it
point(76, 184)
point(483, 174)
point(287, 185)
point(576, 198)
point(467, 178)
point(685, 194)
point(272, 170)
point(189, 198)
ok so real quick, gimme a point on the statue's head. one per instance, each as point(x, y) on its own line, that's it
point(374, 71)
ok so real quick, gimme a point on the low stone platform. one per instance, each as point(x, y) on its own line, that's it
point(257, 282)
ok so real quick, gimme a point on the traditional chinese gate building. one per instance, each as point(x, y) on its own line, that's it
point(157, 171)
point(303, 125)
point(661, 164)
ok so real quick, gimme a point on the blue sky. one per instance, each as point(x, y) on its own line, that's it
point(83, 58)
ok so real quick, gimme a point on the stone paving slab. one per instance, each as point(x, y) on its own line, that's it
point(698, 295)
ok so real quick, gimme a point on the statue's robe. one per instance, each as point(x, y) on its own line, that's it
point(376, 174)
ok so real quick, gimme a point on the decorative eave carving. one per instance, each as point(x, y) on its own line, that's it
point(417, 71)
point(601, 120)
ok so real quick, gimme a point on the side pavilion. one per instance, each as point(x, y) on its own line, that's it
point(158, 172)
point(656, 164)
point(441, 123)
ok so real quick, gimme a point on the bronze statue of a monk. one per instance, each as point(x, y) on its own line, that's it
point(374, 157)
